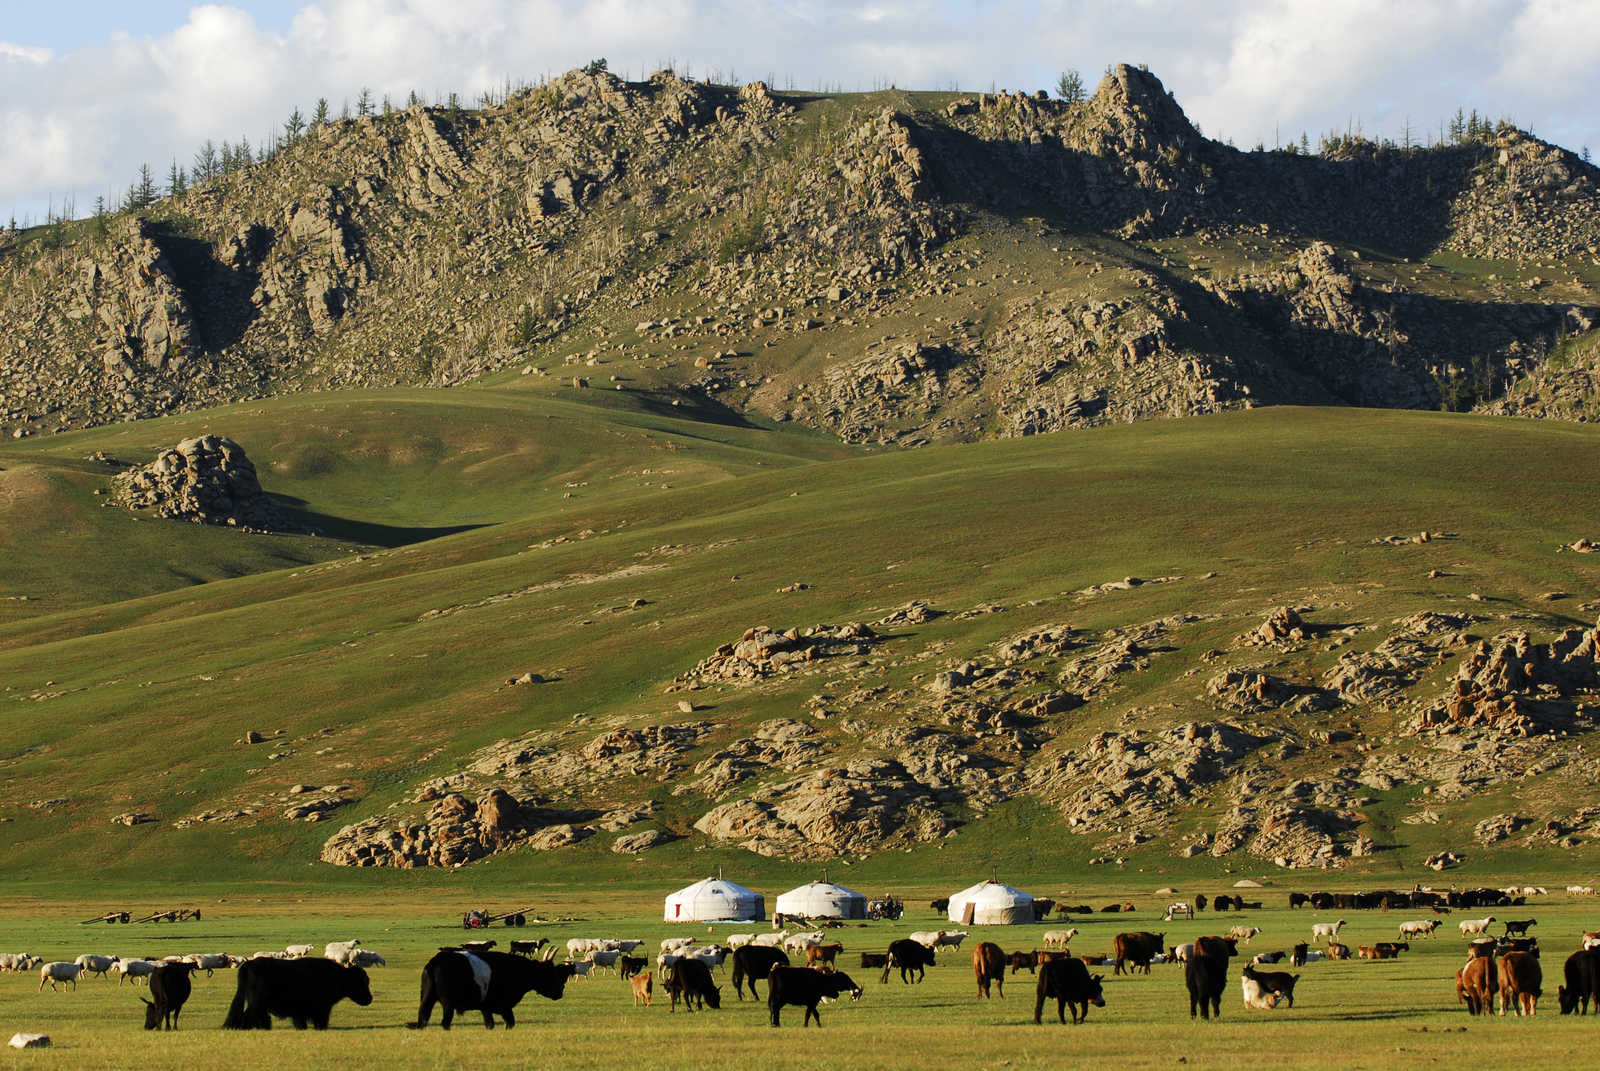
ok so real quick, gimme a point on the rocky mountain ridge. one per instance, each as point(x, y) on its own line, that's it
point(894, 267)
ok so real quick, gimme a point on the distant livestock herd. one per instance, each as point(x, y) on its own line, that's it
point(295, 984)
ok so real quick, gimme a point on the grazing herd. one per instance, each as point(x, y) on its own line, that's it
point(1501, 973)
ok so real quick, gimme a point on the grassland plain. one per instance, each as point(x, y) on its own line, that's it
point(1399, 1013)
point(386, 668)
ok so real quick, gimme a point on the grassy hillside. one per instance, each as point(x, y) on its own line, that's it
point(379, 670)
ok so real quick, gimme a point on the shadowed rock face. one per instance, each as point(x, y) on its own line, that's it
point(208, 480)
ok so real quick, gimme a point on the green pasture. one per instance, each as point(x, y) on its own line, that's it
point(1347, 1015)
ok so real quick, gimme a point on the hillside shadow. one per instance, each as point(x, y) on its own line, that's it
point(218, 294)
point(369, 533)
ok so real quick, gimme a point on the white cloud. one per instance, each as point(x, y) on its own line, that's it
point(84, 119)
point(9, 51)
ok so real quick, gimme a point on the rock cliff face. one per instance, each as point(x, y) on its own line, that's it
point(1059, 265)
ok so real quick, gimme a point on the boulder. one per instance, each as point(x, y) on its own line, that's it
point(207, 480)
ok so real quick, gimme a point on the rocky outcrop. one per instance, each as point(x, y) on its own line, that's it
point(207, 480)
point(863, 807)
point(1513, 685)
point(763, 652)
point(456, 831)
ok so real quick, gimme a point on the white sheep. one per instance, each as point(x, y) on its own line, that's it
point(1330, 930)
point(209, 963)
point(770, 940)
point(18, 961)
point(298, 951)
point(134, 968)
point(674, 944)
point(58, 972)
point(739, 940)
point(1059, 938)
point(928, 938)
point(1256, 997)
point(799, 942)
point(1472, 926)
point(362, 957)
point(92, 964)
point(339, 951)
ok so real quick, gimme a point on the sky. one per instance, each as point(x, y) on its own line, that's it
point(92, 89)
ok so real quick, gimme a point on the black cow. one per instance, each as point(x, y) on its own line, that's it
point(628, 966)
point(1069, 982)
point(169, 984)
point(304, 990)
point(940, 905)
point(1206, 977)
point(1582, 972)
point(1298, 957)
point(909, 956)
point(452, 981)
point(690, 981)
point(1222, 902)
point(1298, 899)
point(755, 961)
point(804, 987)
point(1200, 902)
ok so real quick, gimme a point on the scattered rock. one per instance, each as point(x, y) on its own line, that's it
point(29, 1041)
point(133, 818)
point(643, 841)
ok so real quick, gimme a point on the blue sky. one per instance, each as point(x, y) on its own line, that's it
point(90, 89)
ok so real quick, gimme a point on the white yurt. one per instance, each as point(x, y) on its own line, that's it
point(715, 900)
point(823, 900)
point(991, 903)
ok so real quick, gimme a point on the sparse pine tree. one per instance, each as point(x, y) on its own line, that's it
point(293, 127)
point(1458, 127)
point(453, 106)
point(241, 154)
point(413, 101)
point(1586, 155)
point(227, 160)
point(206, 164)
point(364, 102)
point(319, 117)
point(344, 111)
point(595, 66)
point(1069, 87)
point(177, 181)
point(143, 192)
point(1305, 144)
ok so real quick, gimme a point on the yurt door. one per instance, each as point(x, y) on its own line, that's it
point(967, 912)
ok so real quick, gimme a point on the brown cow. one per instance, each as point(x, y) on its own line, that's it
point(1222, 947)
point(1139, 947)
point(1476, 985)
point(823, 954)
point(1029, 960)
point(1520, 981)
point(989, 965)
point(642, 987)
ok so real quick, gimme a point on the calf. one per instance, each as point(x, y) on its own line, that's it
point(303, 990)
point(908, 955)
point(1029, 960)
point(1582, 973)
point(1137, 948)
point(940, 905)
point(874, 960)
point(1278, 983)
point(751, 962)
point(170, 985)
point(806, 988)
point(641, 988)
point(989, 965)
point(690, 981)
point(1067, 982)
point(1520, 981)
point(1476, 984)
point(824, 954)
point(1206, 976)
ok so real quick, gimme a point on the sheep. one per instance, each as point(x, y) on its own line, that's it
point(1418, 928)
point(930, 938)
point(1059, 938)
point(362, 957)
point(800, 941)
point(1330, 930)
point(339, 951)
point(626, 945)
point(606, 959)
point(92, 964)
point(18, 961)
point(578, 947)
point(952, 939)
point(580, 968)
point(1581, 890)
point(58, 972)
point(770, 940)
point(298, 951)
point(134, 968)
point(1244, 933)
point(739, 940)
point(1475, 926)
point(209, 963)
point(270, 955)
point(673, 944)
